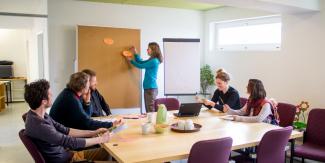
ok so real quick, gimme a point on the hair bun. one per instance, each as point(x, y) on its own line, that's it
point(221, 70)
point(223, 75)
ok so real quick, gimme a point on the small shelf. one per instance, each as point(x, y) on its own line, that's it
point(16, 88)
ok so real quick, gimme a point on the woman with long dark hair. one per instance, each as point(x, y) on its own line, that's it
point(258, 108)
point(151, 69)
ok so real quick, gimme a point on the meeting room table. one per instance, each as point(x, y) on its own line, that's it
point(130, 145)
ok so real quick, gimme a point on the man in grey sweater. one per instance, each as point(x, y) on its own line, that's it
point(52, 138)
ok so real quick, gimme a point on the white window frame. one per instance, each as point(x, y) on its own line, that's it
point(215, 26)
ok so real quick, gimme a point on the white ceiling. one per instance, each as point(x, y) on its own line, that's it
point(278, 6)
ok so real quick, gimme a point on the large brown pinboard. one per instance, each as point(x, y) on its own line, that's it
point(118, 81)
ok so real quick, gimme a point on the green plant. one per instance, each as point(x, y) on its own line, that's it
point(206, 78)
point(300, 111)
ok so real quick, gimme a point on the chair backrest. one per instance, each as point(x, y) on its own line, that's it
point(243, 101)
point(31, 147)
point(315, 131)
point(286, 113)
point(211, 151)
point(272, 146)
point(24, 116)
point(171, 103)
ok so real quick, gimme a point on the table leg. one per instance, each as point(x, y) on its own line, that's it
point(7, 94)
point(10, 92)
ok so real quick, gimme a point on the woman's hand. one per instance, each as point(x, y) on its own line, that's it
point(129, 58)
point(235, 117)
point(208, 102)
point(225, 108)
point(133, 50)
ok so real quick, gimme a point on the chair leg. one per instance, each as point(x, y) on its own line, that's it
point(292, 150)
point(302, 160)
point(254, 155)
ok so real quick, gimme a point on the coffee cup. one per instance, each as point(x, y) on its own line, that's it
point(189, 125)
point(150, 117)
point(181, 124)
point(145, 128)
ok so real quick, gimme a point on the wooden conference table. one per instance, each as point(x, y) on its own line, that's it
point(129, 145)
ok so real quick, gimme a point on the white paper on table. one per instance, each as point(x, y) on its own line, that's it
point(120, 128)
point(107, 119)
point(227, 117)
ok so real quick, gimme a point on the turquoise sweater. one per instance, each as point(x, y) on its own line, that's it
point(151, 67)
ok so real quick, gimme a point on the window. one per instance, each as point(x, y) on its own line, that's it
point(262, 34)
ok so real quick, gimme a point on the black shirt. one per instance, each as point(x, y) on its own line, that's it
point(98, 104)
point(231, 98)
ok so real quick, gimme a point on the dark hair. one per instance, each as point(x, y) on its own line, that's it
point(90, 72)
point(35, 92)
point(222, 75)
point(256, 89)
point(156, 53)
point(78, 81)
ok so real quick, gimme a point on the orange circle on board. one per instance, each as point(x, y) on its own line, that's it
point(127, 53)
point(108, 41)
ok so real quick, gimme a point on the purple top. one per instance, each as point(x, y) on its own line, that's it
point(51, 138)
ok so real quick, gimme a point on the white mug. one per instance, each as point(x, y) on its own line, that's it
point(189, 125)
point(181, 124)
point(145, 128)
point(150, 117)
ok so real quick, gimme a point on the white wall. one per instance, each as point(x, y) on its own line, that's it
point(32, 26)
point(15, 22)
point(24, 6)
point(155, 23)
point(39, 25)
point(295, 73)
point(13, 47)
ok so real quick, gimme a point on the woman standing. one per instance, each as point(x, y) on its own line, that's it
point(151, 69)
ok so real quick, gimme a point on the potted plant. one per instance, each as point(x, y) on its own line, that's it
point(300, 111)
point(206, 78)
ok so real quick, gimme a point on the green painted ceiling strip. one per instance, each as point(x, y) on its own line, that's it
point(183, 4)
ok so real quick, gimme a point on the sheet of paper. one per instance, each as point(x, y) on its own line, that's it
point(227, 117)
point(132, 116)
point(106, 119)
point(119, 128)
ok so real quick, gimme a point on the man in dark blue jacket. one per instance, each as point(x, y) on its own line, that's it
point(72, 106)
point(97, 101)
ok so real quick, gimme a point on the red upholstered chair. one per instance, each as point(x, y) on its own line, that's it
point(211, 151)
point(270, 151)
point(171, 103)
point(286, 113)
point(313, 146)
point(243, 101)
point(31, 147)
